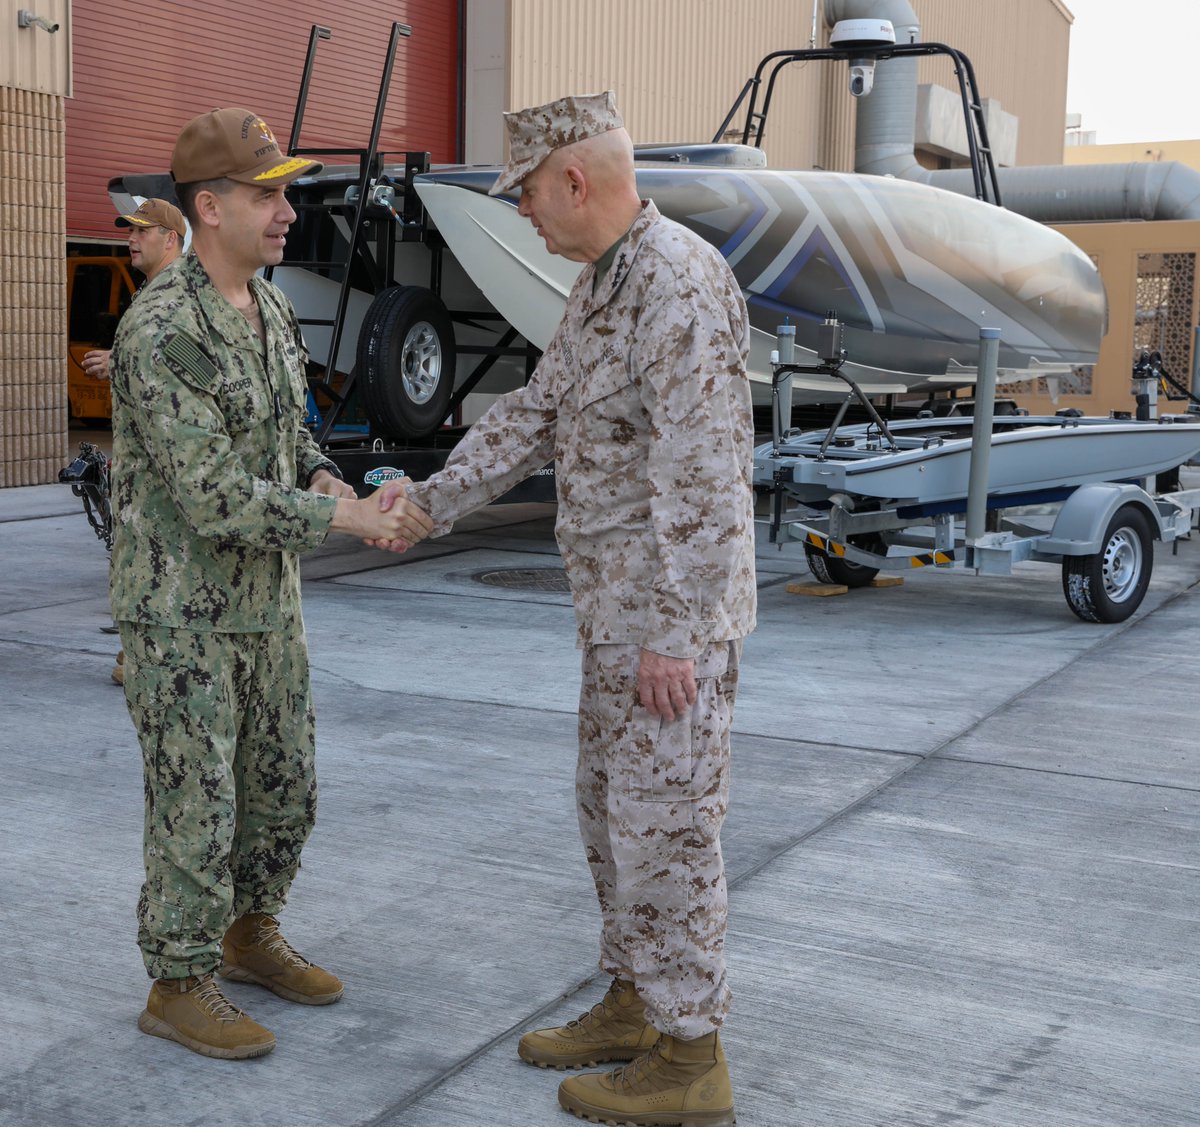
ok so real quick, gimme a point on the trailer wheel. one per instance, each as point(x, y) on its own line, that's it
point(1110, 585)
point(838, 569)
point(406, 362)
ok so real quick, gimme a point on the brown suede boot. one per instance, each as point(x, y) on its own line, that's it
point(254, 950)
point(194, 1012)
point(613, 1029)
point(676, 1084)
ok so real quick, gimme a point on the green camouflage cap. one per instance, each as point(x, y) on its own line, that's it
point(533, 134)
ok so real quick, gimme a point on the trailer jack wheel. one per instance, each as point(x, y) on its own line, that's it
point(838, 569)
point(1110, 585)
point(406, 361)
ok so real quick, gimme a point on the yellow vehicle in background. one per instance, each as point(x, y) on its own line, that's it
point(99, 290)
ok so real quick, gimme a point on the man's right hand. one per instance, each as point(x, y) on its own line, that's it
point(401, 525)
point(392, 493)
point(95, 363)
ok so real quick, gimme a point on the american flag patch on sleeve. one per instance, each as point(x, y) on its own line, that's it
point(185, 352)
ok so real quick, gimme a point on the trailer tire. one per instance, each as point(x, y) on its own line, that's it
point(406, 361)
point(837, 569)
point(1109, 585)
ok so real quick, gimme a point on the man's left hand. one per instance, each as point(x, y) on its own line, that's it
point(331, 486)
point(666, 685)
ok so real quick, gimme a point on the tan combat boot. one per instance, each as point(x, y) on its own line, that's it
point(118, 670)
point(676, 1084)
point(613, 1029)
point(194, 1012)
point(254, 950)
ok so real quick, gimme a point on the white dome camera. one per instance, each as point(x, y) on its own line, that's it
point(863, 40)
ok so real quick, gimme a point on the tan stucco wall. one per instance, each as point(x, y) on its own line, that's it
point(1115, 248)
point(1186, 152)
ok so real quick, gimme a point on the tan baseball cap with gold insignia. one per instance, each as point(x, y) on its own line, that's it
point(533, 134)
point(155, 213)
point(237, 145)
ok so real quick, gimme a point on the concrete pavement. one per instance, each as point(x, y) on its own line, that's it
point(962, 851)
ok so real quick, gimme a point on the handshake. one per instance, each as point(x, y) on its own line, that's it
point(387, 519)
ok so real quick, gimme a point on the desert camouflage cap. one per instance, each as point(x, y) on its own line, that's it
point(155, 213)
point(237, 145)
point(533, 134)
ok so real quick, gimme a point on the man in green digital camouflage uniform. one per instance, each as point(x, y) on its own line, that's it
point(156, 237)
point(217, 486)
point(643, 402)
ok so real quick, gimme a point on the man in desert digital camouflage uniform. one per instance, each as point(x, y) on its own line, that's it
point(217, 485)
point(643, 402)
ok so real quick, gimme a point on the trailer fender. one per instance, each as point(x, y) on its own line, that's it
point(1081, 522)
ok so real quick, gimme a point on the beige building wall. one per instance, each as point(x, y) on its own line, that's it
point(1151, 274)
point(1186, 152)
point(1019, 50)
point(34, 78)
point(678, 65)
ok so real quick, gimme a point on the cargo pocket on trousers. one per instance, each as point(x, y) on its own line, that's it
point(686, 759)
point(148, 691)
point(671, 761)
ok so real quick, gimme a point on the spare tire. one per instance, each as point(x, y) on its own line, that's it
point(406, 361)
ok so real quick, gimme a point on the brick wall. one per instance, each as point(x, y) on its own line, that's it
point(33, 333)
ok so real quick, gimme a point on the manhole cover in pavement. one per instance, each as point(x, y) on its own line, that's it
point(525, 578)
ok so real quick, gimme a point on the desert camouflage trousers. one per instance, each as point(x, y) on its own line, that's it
point(225, 722)
point(651, 798)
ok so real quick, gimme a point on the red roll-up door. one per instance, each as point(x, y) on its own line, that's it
point(143, 68)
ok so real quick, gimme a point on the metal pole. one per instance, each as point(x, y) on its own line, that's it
point(315, 33)
point(781, 384)
point(981, 433)
point(1195, 368)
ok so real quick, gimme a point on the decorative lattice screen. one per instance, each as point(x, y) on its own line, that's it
point(1166, 285)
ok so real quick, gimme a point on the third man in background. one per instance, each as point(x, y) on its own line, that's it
point(156, 236)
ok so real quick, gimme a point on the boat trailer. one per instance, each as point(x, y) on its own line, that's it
point(1102, 532)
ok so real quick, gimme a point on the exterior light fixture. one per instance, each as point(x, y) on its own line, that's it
point(26, 18)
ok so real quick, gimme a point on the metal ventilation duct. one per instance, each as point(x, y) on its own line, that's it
point(885, 141)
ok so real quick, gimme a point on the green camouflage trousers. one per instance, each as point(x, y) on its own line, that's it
point(651, 798)
point(225, 722)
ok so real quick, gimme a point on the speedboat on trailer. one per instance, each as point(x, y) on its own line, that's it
point(910, 271)
point(850, 494)
point(925, 463)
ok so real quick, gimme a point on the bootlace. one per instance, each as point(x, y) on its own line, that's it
point(271, 939)
point(215, 1004)
point(631, 1075)
point(598, 1014)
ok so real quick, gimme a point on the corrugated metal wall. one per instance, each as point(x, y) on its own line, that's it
point(1019, 51)
point(677, 66)
point(33, 58)
point(143, 68)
